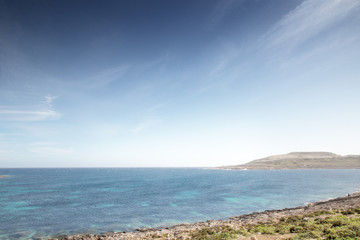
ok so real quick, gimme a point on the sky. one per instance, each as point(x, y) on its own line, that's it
point(181, 83)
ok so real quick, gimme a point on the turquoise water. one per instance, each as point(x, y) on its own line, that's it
point(38, 203)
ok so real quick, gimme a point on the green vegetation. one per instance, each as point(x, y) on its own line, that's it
point(218, 233)
point(318, 225)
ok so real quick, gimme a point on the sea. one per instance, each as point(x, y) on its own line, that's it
point(44, 203)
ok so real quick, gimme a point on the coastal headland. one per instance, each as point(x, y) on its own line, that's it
point(339, 217)
point(2, 176)
point(301, 160)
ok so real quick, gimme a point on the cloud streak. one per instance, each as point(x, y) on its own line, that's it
point(307, 20)
point(15, 113)
point(24, 115)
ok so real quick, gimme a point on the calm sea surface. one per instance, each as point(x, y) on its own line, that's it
point(46, 202)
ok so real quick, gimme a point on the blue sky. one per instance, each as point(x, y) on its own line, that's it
point(176, 83)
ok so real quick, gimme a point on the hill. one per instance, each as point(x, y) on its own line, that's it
point(302, 160)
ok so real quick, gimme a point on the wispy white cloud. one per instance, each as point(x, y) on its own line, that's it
point(28, 115)
point(338, 42)
point(49, 99)
point(307, 20)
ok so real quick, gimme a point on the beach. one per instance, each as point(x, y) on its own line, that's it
point(186, 230)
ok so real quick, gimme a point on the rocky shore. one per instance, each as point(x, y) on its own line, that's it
point(184, 231)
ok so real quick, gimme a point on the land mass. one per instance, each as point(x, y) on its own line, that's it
point(1, 176)
point(337, 218)
point(301, 160)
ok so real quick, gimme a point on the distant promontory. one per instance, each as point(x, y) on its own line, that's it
point(301, 160)
point(1, 176)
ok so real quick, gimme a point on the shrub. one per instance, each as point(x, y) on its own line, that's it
point(348, 212)
point(340, 225)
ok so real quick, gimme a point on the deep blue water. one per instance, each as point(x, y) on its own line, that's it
point(46, 202)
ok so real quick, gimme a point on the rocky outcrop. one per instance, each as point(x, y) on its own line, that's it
point(184, 230)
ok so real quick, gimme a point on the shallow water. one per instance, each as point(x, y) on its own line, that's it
point(46, 202)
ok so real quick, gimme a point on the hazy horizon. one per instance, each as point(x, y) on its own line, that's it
point(176, 83)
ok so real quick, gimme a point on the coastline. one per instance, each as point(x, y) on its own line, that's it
point(3, 176)
point(184, 231)
point(280, 168)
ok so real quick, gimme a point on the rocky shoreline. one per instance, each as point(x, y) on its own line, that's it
point(183, 231)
